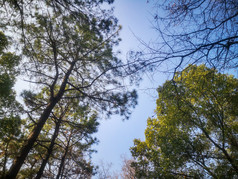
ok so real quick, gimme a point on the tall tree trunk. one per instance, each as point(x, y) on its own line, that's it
point(30, 142)
point(5, 159)
point(36, 131)
point(63, 159)
point(49, 151)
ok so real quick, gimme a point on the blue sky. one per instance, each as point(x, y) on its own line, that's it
point(116, 136)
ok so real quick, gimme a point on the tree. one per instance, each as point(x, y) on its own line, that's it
point(104, 170)
point(63, 148)
point(190, 32)
point(8, 73)
point(10, 121)
point(67, 51)
point(127, 171)
point(195, 132)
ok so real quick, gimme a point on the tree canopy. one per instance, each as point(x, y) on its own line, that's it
point(67, 56)
point(195, 132)
point(10, 109)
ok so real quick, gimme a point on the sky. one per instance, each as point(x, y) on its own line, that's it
point(116, 136)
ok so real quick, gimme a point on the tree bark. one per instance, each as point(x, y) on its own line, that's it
point(49, 152)
point(16, 166)
point(5, 159)
point(30, 142)
point(63, 159)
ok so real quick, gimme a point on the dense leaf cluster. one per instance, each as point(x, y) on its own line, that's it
point(195, 132)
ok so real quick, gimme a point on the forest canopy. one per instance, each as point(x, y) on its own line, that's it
point(66, 53)
point(195, 132)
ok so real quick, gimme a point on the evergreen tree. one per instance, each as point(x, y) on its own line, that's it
point(67, 51)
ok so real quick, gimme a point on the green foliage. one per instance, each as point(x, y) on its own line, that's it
point(10, 121)
point(8, 64)
point(9, 127)
point(3, 42)
point(71, 147)
point(6, 84)
point(69, 61)
point(195, 132)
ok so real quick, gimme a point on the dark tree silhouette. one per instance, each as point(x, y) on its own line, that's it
point(191, 32)
point(67, 51)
